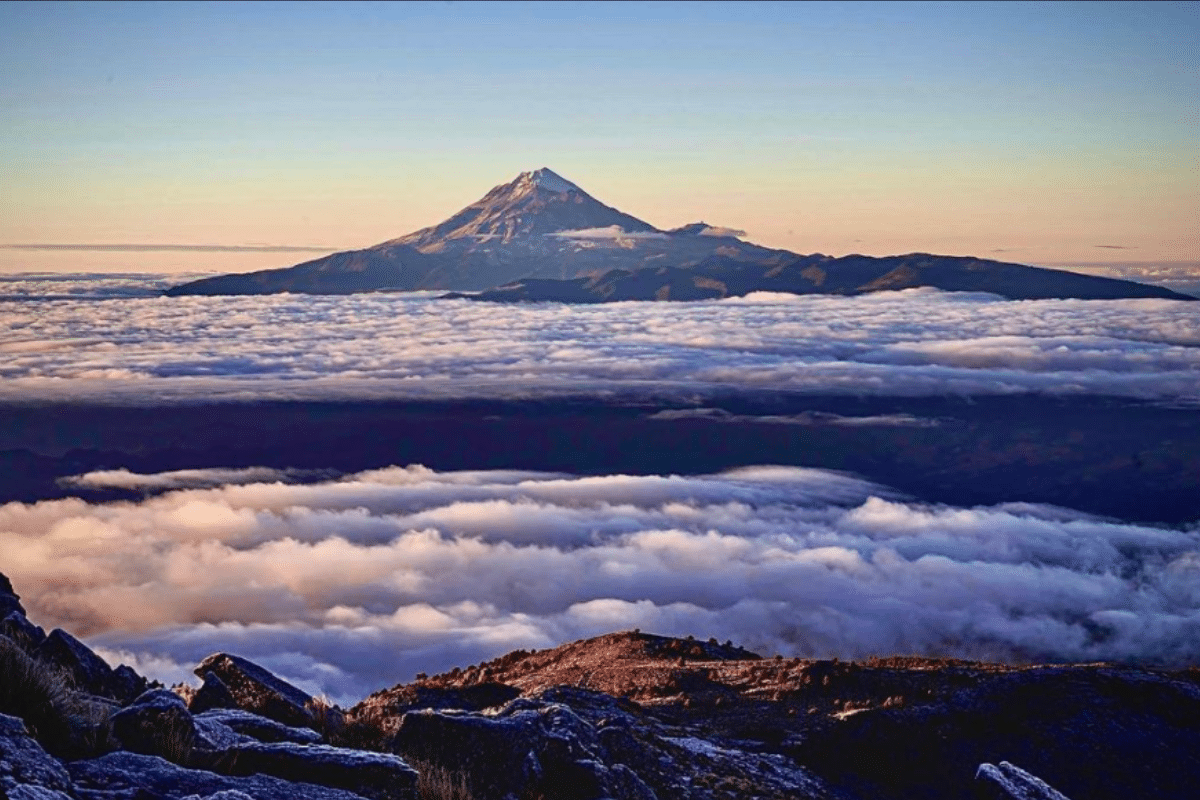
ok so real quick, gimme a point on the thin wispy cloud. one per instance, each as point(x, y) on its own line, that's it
point(614, 232)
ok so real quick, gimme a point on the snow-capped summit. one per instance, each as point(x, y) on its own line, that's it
point(547, 179)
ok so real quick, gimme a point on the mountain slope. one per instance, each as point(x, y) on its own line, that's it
point(718, 277)
point(539, 224)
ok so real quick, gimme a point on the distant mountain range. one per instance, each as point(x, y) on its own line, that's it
point(541, 237)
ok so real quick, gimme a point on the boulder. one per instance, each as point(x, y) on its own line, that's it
point(27, 770)
point(379, 776)
point(528, 749)
point(261, 729)
point(216, 737)
point(129, 776)
point(213, 693)
point(1008, 782)
point(256, 689)
point(157, 723)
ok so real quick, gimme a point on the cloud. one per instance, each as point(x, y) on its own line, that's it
point(717, 230)
point(615, 232)
point(813, 418)
point(181, 479)
point(346, 586)
point(917, 342)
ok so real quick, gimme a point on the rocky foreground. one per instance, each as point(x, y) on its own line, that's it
point(629, 716)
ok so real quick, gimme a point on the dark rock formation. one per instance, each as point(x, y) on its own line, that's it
point(573, 743)
point(213, 693)
point(88, 671)
point(129, 776)
point(19, 629)
point(1091, 732)
point(256, 689)
point(157, 723)
point(23, 764)
point(10, 601)
point(1006, 782)
point(256, 728)
point(379, 776)
point(527, 750)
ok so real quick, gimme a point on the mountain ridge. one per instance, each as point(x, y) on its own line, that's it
point(621, 716)
point(540, 228)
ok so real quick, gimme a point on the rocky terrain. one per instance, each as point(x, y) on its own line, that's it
point(541, 237)
point(629, 716)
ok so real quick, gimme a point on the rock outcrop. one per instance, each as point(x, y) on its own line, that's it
point(256, 689)
point(378, 776)
point(10, 601)
point(129, 776)
point(24, 763)
point(1007, 782)
point(574, 744)
point(89, 672)
point(157, 723)
point(213, 693)
point(258, 729)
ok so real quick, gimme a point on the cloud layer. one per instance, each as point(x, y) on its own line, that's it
point(914, 342)
point(350, 585)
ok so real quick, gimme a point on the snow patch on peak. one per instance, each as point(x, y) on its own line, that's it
point(547, 179)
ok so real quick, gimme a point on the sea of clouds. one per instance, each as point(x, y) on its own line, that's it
point(352, 584)
point(150, 350)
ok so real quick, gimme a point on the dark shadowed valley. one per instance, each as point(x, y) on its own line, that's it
point(1129, 459)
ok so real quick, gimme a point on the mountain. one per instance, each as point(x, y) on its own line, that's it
point(541, 237)
point(538, 225)
point(718, 277)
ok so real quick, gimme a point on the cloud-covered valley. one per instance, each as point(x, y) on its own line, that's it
point(410, 346)
point(352, 584)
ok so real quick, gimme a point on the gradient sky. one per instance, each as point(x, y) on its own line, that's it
point(1043, 133)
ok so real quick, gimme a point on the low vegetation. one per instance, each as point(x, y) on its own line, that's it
point(66, 723)
point(440, 783)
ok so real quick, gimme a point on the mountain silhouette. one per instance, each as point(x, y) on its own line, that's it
point(542, 237)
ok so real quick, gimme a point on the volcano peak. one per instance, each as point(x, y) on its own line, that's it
point(547, 179)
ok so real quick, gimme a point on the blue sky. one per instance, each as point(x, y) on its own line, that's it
point(1040, 130)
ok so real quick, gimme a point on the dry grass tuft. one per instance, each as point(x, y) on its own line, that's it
point(440, 783)
point(65, 722)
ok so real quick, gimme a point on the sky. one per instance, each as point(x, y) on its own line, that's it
point(267, 134)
